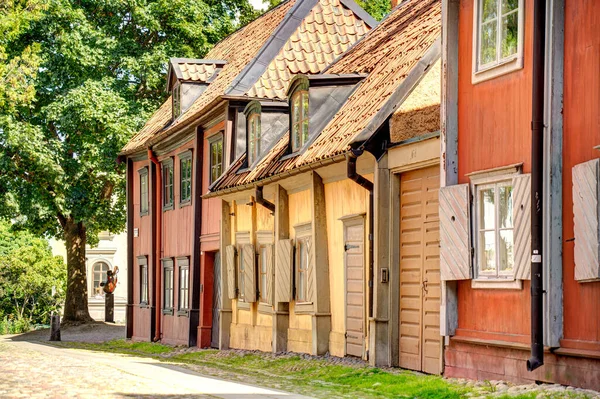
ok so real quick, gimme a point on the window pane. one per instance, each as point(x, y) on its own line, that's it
point(505, 248)
point(489, 10)
point(301, 286)
point(487, 51)
point(487, 212)
point(505, 207)
point(488, 251)
point(509, 5)
point(510, 32)
point(304, 105)
point(295, 109)
point(304, 131)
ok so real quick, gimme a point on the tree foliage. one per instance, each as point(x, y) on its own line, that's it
point(377, 8)
point(32, 281)
point(78, 79)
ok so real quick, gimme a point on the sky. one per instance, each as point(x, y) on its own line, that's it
point(258, 4)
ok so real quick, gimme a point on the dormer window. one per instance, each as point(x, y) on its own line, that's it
point(298, 95)
point(176, 100)
point(252, 112)
point(299, 119)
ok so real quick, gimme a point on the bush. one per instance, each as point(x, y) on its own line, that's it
point(9, 326)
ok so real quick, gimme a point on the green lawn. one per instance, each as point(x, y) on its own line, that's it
point(313, 377)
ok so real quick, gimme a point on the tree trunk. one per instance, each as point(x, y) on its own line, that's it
point(76, 302)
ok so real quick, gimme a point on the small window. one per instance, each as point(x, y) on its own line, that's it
point(498, 37)
point(184, 284)
point(185, 178)
point(99, 271)
point(253, 116)
point(143, 266)
point(216, 157)
point(495, 243)
point(176, 100)
point(302, 261)
point(263, 258)
point(167, 169)
point(241, 270)
point(143, 191)
point(168, 286)
point(299, 118)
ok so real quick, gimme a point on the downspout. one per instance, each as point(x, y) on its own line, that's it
point(158, 239)
point(537, 186)
point(262, 201)
point(363, 182)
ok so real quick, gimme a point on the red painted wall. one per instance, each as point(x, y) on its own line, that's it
point(177, 240)
point(142, 245)
point(581, 125)
point(494, 120)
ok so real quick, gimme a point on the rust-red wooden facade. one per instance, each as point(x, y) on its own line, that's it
point(494, 130)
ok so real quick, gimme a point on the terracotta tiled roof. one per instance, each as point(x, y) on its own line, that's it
point(238, 49)
point(324, 31)
point(328, 31)
point(387, 54)
point(197, 72)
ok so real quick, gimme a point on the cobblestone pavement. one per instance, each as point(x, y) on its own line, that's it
point(34, 370)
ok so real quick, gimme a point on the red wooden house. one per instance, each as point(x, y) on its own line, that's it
point(495, 84)
point(174, 234)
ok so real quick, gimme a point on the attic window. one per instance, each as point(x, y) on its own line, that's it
point(176, 100)
point(298, 95)
point(252, 112)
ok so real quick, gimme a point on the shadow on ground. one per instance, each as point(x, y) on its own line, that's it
point(96, 332)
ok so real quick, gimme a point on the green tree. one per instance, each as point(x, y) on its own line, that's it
point(377, 8)
point(32, 281)
point(79, 79)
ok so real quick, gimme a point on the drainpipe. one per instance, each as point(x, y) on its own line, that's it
point(360, 180)
point(262, 201)
point(537, 185)
point(158, 239)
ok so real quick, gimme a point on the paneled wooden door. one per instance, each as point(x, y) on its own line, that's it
point(354, 259)
point(214, 342)
point(420, 291)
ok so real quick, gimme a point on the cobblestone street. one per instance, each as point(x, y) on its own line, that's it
point(35, 370)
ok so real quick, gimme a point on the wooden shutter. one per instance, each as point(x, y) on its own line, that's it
point(311, 284)
point(521, 198)
point(283, 271)
point(270, 274)
point(585, 219)
point(231, 281)
point(249, 273)
point(455, 237)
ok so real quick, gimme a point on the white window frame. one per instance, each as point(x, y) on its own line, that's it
point(479, 180)
point(501, 66)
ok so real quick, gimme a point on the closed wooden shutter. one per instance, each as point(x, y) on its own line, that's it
point(283, 271)
point(231, 283)
point(522, 226)
point(455, 237)
point(270, 274)
point(311, 272)
point(249, 273)
point(585, 219)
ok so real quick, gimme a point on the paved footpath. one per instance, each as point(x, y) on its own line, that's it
point(35, 370)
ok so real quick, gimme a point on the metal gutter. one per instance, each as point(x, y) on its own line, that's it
point(537, 187)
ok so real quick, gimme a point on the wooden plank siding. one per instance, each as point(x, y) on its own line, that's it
point(142, 246)
point(581, 126)
point(494, 115)
point(177, 241)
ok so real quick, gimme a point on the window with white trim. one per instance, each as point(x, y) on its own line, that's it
point(167, 183)
point(143, 265)
point(176, 100)
point(99, 270)
point(144, 189)
point(185, 178)
point(494, 221)
point(299, 115)
point(215, 156)
point(253, 118)
point(497, 37)
point(168, 286)
point(184, 284)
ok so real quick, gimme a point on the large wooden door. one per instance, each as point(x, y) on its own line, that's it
point(420, 291)
point(354, 247)
point(214, 341)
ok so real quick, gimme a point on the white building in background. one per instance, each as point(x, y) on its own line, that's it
point(110, 252)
